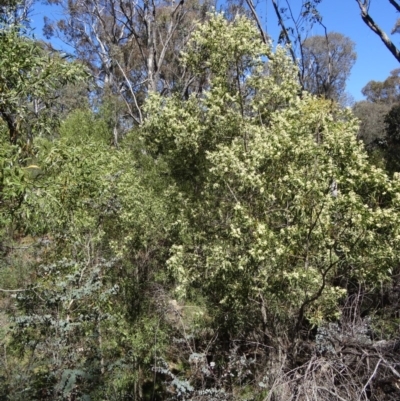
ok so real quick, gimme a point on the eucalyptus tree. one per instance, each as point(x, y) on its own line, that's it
point(29, 79)
point(292, 23)
point(327, 62)
point(390, 143)
point(131, 47)
point(372, 121)
point(295, 22)
point(324, 61)
point(384, 92)
point(364, 6)
point(378, 118)
point(15, 12)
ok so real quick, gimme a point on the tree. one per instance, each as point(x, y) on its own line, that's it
point(375, 114)
point(294, 27)
point(15, 13)
point(392, 121)
point(372, 117)
point(264, 220)
point(221, 251)
point(387, 92)
point(131, 48)
point(324, 61)
point(327, 62)
point(29, 79)
point(283, 214)
point(83, 327)
point(392, 139)
point(364, 6)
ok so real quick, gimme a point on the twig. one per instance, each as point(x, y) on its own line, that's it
point(331, 392)
point(371, 377)
point(140, 119)
point(19, 290)
point(255, 16)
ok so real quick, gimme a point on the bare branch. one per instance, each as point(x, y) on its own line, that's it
point(255, 16)
point(137, 120)
point(395, 5)
point(375, 28)
point(370, 378)
point(284, 31)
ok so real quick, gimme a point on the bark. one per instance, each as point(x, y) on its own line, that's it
point(12, 126)
point(255, 16)
point(296, 27)
point(395, 5)
point(284, 30)
point(375, 28)
point(128, 45)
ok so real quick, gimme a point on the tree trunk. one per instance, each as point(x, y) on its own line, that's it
point(12, 126)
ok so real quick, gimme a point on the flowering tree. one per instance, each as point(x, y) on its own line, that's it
point(282, 208)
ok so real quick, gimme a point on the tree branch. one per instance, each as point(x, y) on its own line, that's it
point(395, 5)
point(375, 28)
point(288, 40)
point(284, 30)
point(255, 16)
point(128, 82)
point(19, 290)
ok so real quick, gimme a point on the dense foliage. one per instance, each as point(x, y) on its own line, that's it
point(236, 244)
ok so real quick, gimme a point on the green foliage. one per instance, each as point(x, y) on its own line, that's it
point(372, 122)
point(61, 324)
point(239, 87)
point(386, 91)
point(392, 121)
point(101, 236)
point(379, 120)
point(28, 79)
point(391, 141)
point(14, 13)
point(289, 206)
point(83, 126)
point(226, 224)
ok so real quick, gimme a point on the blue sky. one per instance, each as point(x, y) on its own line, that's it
point(374, 61)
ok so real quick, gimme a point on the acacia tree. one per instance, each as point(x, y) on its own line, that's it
point(283, 211)
point(80, 328)
point(29, 81)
